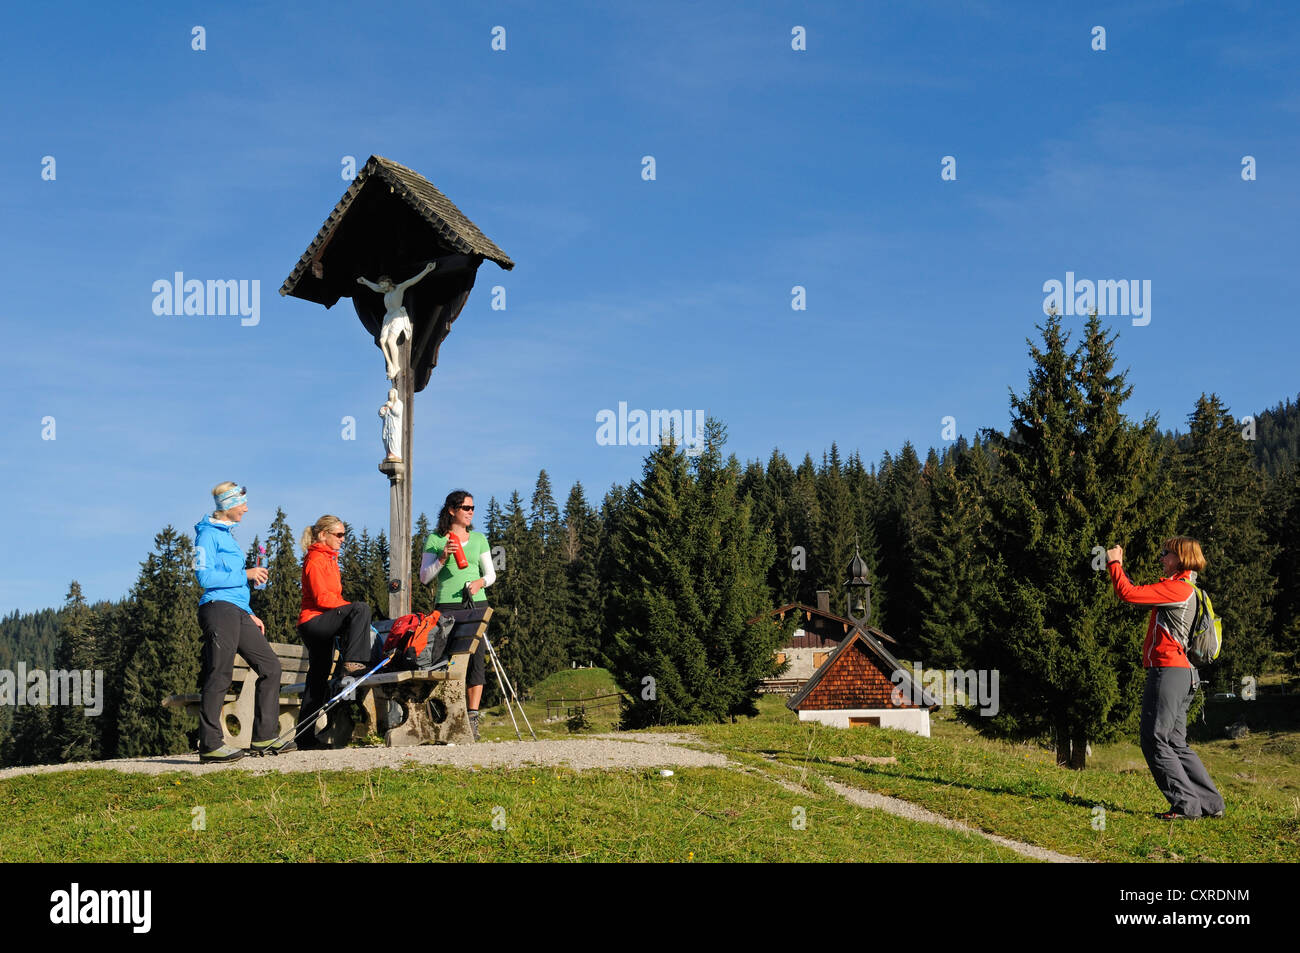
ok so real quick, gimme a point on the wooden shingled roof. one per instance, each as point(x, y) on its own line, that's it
point(884, 661)
point(370, 193)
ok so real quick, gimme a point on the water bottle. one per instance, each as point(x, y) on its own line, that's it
point(262, 563)
point(461, 561)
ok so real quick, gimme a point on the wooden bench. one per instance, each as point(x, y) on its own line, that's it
point(413, 708)
point(241, 696)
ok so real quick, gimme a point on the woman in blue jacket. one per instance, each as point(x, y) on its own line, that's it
point(229, 626)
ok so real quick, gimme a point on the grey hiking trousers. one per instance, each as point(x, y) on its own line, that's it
point(1177, 770)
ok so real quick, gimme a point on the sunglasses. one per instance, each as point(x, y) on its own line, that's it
point(467, 509)
point(339, 535)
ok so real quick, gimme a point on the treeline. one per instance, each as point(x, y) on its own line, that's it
point(986, 554)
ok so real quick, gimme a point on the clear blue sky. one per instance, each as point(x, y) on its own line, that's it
point(775, 168)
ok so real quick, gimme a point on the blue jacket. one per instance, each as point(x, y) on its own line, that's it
point(219, 564)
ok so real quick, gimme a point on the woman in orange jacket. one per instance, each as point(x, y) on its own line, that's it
point(327, 616)
point(1171, 678)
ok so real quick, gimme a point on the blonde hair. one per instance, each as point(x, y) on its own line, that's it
point(217, 491)
point(1188, 551)
point(313, 533)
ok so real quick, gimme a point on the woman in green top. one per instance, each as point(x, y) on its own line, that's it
point(454, 585)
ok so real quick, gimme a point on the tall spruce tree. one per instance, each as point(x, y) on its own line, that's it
point(509, 625)
point(164, 615)
point(955, 566)
point(1284, 536)
point(1080, 477)
point(1223, 495)
point(689, 572)
point(581, 539)
point(837, 533)
point(903, 518)
point(73, 733)
point(279, 604)
point(545, 598)
point(423, 597)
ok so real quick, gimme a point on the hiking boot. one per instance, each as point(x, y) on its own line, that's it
point(272, 746)
point(1215, 814)
point(1172, 816)
point(223, 755)
point(473, 723)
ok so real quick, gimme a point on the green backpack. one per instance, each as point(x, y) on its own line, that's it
point(1205, 640)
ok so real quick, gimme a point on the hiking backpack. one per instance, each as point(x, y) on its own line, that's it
point(420, 641)
point(1205, 640)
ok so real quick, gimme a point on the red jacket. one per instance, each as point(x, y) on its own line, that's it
point(322, 586)
point(1174, 604)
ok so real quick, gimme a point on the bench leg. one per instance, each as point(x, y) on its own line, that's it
point(436, 714)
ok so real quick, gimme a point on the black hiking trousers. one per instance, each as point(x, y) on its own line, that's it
point(228, 629)
point(350, 624)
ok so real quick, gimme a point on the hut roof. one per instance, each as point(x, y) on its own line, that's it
point(412, 215)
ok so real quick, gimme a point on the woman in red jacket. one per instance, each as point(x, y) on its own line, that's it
point(325, 616)
point(1171, 678)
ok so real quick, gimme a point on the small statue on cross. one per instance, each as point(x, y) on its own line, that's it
point(391, 411)
point(396, 321)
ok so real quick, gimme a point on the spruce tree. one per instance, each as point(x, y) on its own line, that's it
point(1079, 478)
point(73, 733)
point(1223, 496)
point(955, 564)
point(508, 628)
point(689, 570)
point(423, 597)
point(164, 617)
point(903, 518)
point(837, 532)
point(279, 604)
point(1284, 521)
point(581, 539)
point(805, 530)
point(545, 594)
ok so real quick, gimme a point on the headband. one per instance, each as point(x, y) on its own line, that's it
point(231, 498)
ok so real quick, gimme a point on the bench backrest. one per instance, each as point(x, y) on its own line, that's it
point(293, 663)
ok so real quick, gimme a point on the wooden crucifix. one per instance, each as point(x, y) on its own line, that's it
point(393, 222)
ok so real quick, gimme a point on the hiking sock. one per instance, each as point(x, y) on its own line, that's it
point(473, 722)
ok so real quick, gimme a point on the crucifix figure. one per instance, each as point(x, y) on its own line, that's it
point(396, 321)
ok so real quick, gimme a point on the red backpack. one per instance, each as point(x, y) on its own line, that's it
point(419, 641)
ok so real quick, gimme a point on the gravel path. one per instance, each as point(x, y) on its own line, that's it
point(915, 812)
point(580, 754)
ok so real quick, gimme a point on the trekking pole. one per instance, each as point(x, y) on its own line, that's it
point(509, 687)
point(501, 682)
point(325, 709)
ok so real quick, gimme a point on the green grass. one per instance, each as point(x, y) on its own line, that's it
point(714, 814)
point(566, 683)
point(444, 814)
point(1019, 792)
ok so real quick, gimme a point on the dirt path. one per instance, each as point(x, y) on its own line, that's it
point(914, 812)
point(580, 754)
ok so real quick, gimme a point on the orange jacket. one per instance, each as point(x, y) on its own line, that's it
point(322, 586)
point(1174, 604)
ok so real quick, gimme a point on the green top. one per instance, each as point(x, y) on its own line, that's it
point(451, 580)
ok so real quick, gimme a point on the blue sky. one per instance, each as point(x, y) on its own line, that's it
point(774, 168)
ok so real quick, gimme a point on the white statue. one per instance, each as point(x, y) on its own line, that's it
point(396, 321)
point(392, 414)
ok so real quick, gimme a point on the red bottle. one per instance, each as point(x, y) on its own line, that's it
point(454, 544)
